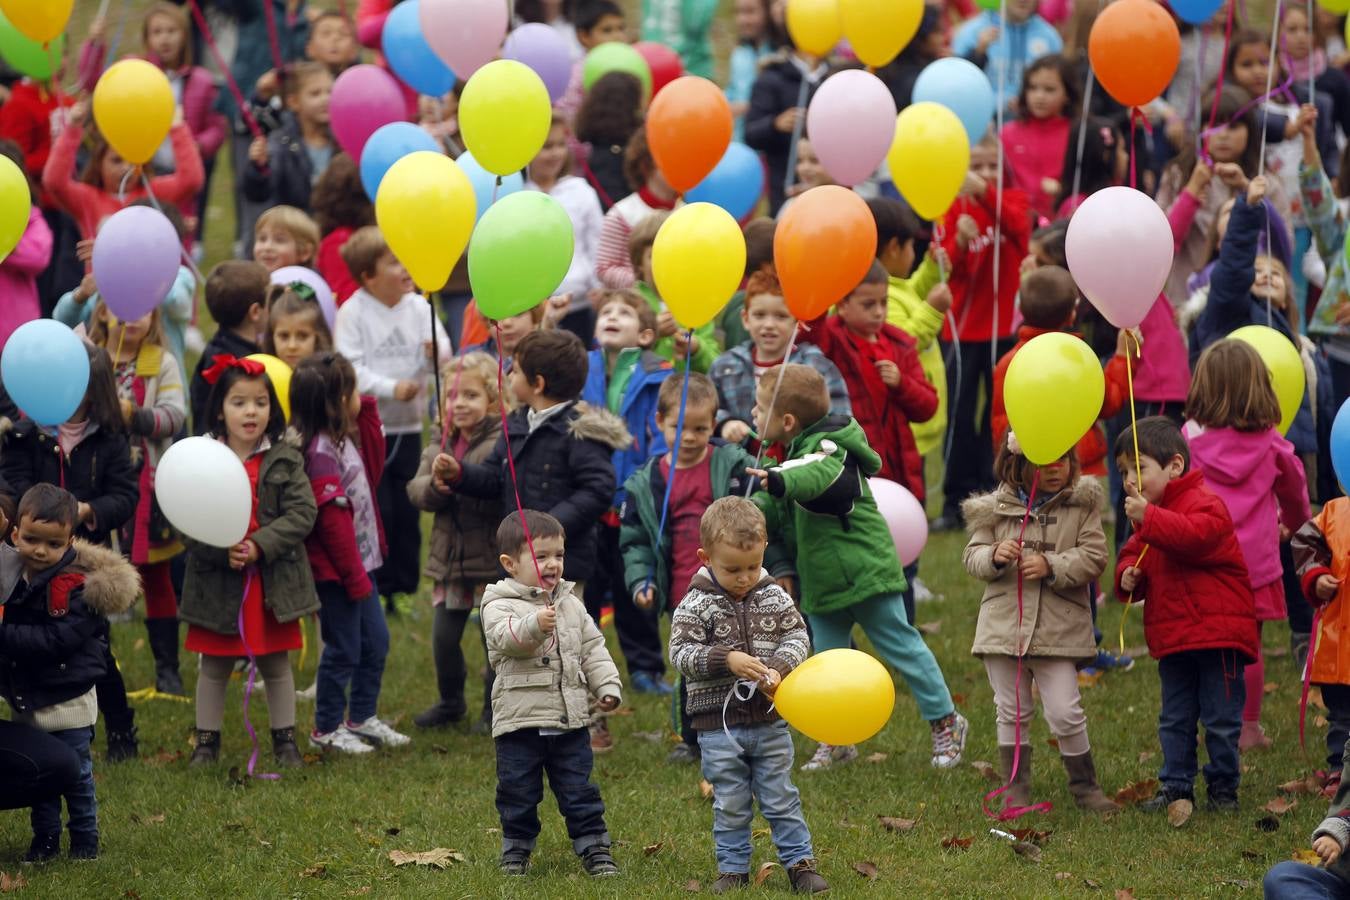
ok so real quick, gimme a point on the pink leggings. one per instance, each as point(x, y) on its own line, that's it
point(1062, 704)
point(1254, 677)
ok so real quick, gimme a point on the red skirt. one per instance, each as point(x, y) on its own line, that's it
point(265, 634)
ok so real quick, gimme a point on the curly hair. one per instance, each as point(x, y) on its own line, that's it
point(612, 110)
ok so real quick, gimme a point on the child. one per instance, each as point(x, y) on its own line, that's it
point(759, 233)
point(820, 502)
point(288, 162)
point(460, 559)
point(614, 264)
point(1035, 142)
point(19, 271)
point(236, 294)
point(385, 330)
point(607, 120)
point(1199, 620)
point(672, 340)
point(53, 639)
point(1004, 47)
point(285, 236)
point(810, 172)
point(597, 22)
point(1320, 553)
point(296, 328)
point(1035, 611)
point(556, 15)
point(1104, 164)
point(756, 38)
point(267, 572)
point(1290, 880)
point(775, 108)
point(332, 41)
point(537, 627)
point(683, 26)
point(504, 335)
point(340, 208)
point(1304, 59)
point(736, 626)
point(343, 551)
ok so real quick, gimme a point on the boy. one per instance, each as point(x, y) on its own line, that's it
point(1026, 38)
point(820, 502)
point(235, 293)
point(673, 341)
point(734, 603)
point(1199, 618)
point(332, 42)
point(597, 22)
point(385, 331)
point(758, 258)
point(531, 619)
point(52, 647)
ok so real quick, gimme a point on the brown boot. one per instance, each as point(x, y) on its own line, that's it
point(805, 879)
point(1019, 791)
point(1087, 793)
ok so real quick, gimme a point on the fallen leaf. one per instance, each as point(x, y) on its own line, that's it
point(1146, 755)
point(1279, 806)
point(1306, 855)
point(693, 886)
point(1250, 854)
point(760, 833)
point(987, 770)
point(1089, 679)
point(138, 645)
point(1063, 876)
point(1124, 893)
point(930, 627)
point(1276, 651)
point(957, 843)
point(1093, 885)
point(1271, 687)
point(1240, 883)
point(315, 871)
point(891, 823)
point(164, 757)
point(1137, 791)
point(1310, 784)
point(1268, 823)
point(764, 871)
point(1320, 721)
point(1032, 835)
point(1027, 850)
point(877, 757)
point(392, 831)
point(1179, 812)
point(705, 790)
point(959, 699)
point(360, 892)
point(439, 748)
point(234, 776)
point(441, 857)
point(653, 849)
point(1053, 742)
point(312, 758)
point(9, 884)
point(867, 870)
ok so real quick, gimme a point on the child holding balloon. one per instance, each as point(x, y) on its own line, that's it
point(1035, 143)
point(340, 208)
point(236, 297)
point(672, 343)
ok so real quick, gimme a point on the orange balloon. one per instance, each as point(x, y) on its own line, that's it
point(689, 128)
point(823, 247)
point(1134, 48)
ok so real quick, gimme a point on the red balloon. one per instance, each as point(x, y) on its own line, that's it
point(664, 62)
point(822, 249)
point(689, 128)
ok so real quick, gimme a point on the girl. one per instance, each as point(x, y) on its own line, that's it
point(460, 560)
point(286, 164)
point(20, 270)
point(511, 331)
point(1304, 57)
point(1035, 610)
point(267, 572)
point(606, 122)
point(756, 38)
point(296, 328)
point(810, 173)
point(1233, 412)
point(556, 14)
point(343, 550)
point(284, 236)
point(771, 121)
point(1036, 143)
point(613, 263)
point(1330, 320)
point(340, 207)
point(1104, 164)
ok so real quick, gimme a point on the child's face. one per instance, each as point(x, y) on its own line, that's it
point(899, 257)
point(165, 39)
point(647, 277)
point(548, 555)
point(750, 19)
point(699, 422)
point(769, 323)
point(1054, 477)
point(295, 337)
point(609, 28)
point(619, 328)
point(1228, 144)
point(1251, 65)
point(132, 333)
point(771, 425)
point(548, 163)
point(1155, 475)
point(521, 388)
point(810, 173)
point(331, 42)
point(1270, 283)
point(1046, 95)
point(509, 332)
point(984, 162)
point(1295, 34)
point(863, 312)
point(736, 569)
point(389, 282)
point(310, 100)
point(275, 248)
point(469, 403)
point(112, 170)
point(1021, 10)
point(40, 543)
point(246, 411)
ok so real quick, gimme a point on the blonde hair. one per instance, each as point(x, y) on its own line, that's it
point(735, 521)
point(1232, 388)
point(179, 17)
point(100, 328)
point(481, 366)
point(296, 223)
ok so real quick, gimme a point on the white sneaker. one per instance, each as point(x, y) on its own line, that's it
point(340, 739)
point(374, 730)
point(922, 594)
point(949, 740)
point(308, 693)
point(827, 755)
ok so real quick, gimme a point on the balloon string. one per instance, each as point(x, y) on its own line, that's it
point(1218, 84)
point(998, 199)
point(511, 464)
point(446, 424)
point(773, 398)
point(304, 646)
point(1307, 674)
point(248, 682)
point(674, 460)
point(183, 255)
point(1082, 135)
point(1132, 348)
point(251, 123)
point(798, 126)
point(437, 414)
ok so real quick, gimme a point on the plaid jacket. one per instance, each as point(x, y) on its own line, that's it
point(734, 374)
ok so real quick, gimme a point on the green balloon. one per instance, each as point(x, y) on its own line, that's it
point(616, 57)
point(519, 253)
point(27, 56)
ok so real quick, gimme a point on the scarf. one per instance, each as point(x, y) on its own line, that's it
point(1303, 69)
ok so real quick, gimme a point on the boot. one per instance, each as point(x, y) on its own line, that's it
point(284, 749)
point(804, 878)
point(207, 751)
point(163, 638)
point(121, 733)
point(1019, 790)
point(1087, 793)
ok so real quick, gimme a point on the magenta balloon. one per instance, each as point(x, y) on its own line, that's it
point(136, 256)
point(465, 34)
point(1120, 247)
point(851, 121)
point(364, 98)
point(541, 48)
point(904, 517)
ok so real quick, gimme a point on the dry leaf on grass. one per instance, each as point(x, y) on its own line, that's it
point(315, 871)
point(652, 737)
point(1092, 884)
point(653, 849)
point(867, 870)
point(693, 886)
point(1307, 856)
point(1146, 755)
point(891, 823)
point(1250, 854)
point(877, 757)
point(1124, 893)
point(1309, 784)
point(1320, 721)
point(1137, 791)
point(957, 843)
point(930, 627)
point(1032, 835)
point(1279, 806)
point(10, 883)
point(441, 857)
point(1053, 742)
point(1267, 823)
point(764, 871)
point(156, 819)
point(987, 770)
point(1179, 812)
point(1271, 687)
point(1027, 850)
point(705, 790)
point(1063, 876)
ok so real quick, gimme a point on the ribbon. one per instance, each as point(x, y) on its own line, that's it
point(1132, 348)
point(439, 411)
point(253, 127)
point(223, 361)
point(750, 688)
point(1307, 674)
point(675, 450)
point(248, 683)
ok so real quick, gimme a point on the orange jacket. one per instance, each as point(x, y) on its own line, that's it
point(1322, 547)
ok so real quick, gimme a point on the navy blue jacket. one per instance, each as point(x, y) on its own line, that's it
point(637, 409)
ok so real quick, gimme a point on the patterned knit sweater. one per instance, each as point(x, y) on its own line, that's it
point(708, 625)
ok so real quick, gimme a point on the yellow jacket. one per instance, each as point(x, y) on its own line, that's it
point(907, 309)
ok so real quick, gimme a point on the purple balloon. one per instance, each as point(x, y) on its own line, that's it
point(542, 49)
point(364, 98)
point(136, 257)
point(322, 292)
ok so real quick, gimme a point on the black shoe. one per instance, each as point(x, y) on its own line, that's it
point(1222, 801)
point(482, 726)
point(515, 861)
point(390, 606)
point(84, 846)
point(598, 861)
point(207, 751)
point(163, 634)
point(44, 848)
point(683, 754)
point(729, 881)
point(437, 716)
point(284, 749)
point(122, 745)
point(1165, 798)
point(805, 879)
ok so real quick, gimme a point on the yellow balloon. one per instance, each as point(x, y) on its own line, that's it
point(426, 207)
point(814, 25)
point(837, 697)
point(280, 375)
point(504, 115)
point(1285, 364)
point(1053, 393)
point(15, 202)
point(133, 106)
point(879, 29)
point(698, 261)
point(1339, 7)
point(929, 157)
point(38, 20)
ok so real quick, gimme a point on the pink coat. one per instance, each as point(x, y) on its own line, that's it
point(18, 276)
point(1035, 151)
point(1163, 372)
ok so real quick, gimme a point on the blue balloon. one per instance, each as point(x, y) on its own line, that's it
point(1340, 444)
point(962, 87)
point(484, 182)
point(409, 54)
point(45, 368)
point(1196, 12)
point(736, 183)
point(388, 145)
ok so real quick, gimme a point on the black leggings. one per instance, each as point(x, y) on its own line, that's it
point(34, 766)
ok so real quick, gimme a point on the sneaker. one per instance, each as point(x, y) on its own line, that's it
point(805, 879)
point(729, 881)
point(1107, 661)
point(598, 861)
point(1164, 798)
point(1222, 801)
point(922, 593)
point(309, 693)
point(374, 730)
point(438, 716)
point(207, 750)
point(949, 740)
point(683, 754)
point(84, 846)
point(649, 683)
point(44, 848)
point(827, 755)
point(515, 861)
point(340, 739)
point(601, 740)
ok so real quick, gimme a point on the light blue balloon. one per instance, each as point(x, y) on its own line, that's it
point(45, 368)
point(388, 145)
point(962, 87)
point(484, 182)
point(736, 183)
point(1340, 444)
point(1196, 12)
point(409, 54)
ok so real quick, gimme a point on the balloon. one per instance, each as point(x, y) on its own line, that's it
point(45, 368)
point(409, 54)
point(322, 292)
point(1340, 444)
point(879, 29)
point(27, 56)
point(698, 261)
point(688, 130)
point(825, 216)
point(614, 56)
point(962, 87)
point(1053, 391)
point(364, 98)
point(1134, 47)
point(136, 255)
point(905, 517)
point(837, 697)
point(1196, 12)
point(540, 47)
point(1285, 364)
point(485, 183)
point(1120, 247)
point(203, 490)
point(133, 106)
point(664, 63)
point(815, 25)
point(929, 158)
point(388, 145)
point(504, 115)
point(280, 375)
point(38, 20)
point(1339, 7)
point(519, 253)
point(735, 184)
point(466, 34)
point(16, 200)
point(425, 208)
point(851, 121)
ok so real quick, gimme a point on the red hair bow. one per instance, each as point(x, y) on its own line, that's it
point(225, 361)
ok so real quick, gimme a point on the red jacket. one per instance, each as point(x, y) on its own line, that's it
point(883, 412)
point(25, 119)
point(331, 266)
point(1194, 575)
point(972, 278)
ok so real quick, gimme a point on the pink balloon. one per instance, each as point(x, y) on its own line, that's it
point(1120, 248)
point(364, 98)
point(465, 34)
point(905, 517)
point(851, 121)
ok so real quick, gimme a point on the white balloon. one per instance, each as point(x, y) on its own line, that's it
point(203, 490)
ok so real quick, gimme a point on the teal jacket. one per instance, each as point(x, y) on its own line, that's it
point(820, 503)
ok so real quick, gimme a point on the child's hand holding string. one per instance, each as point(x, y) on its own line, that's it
point(1035, 566)
point(607, 703)
point(1326, 847)
point(1326, 587)
point(644, 597)
point(735, 431)
point(244, 553)
point(889, 372)
point(1006, 552)
point(770, 682)
point(743, 665)
point(940, 297)
point(666, 324)
point(1135, 504)
point(1199, 181)
point(444, 469)
point(1256, 190)
point(1130, 578)
point(967, 229)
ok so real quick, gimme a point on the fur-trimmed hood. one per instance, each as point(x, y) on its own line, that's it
point(592, 423)
point(983, 510)
point(111, 584)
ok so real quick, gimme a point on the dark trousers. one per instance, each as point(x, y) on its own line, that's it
point(682, 720)
point(447, 632)
point(355, 646)
point(639, 630)
point(118, 716)
point(1201, 687)
point(1295, 603)
point(522, 759)
point(35, 766)
point(970, 466)
point(1337, 699)
point(402, 521)
point(81, 805)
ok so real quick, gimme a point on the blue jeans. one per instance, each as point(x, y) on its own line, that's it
point(81, 804)
point(1203, 686)
point(355, 644)
point(761, 770)
point(1291, 880)
point(522, 759)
